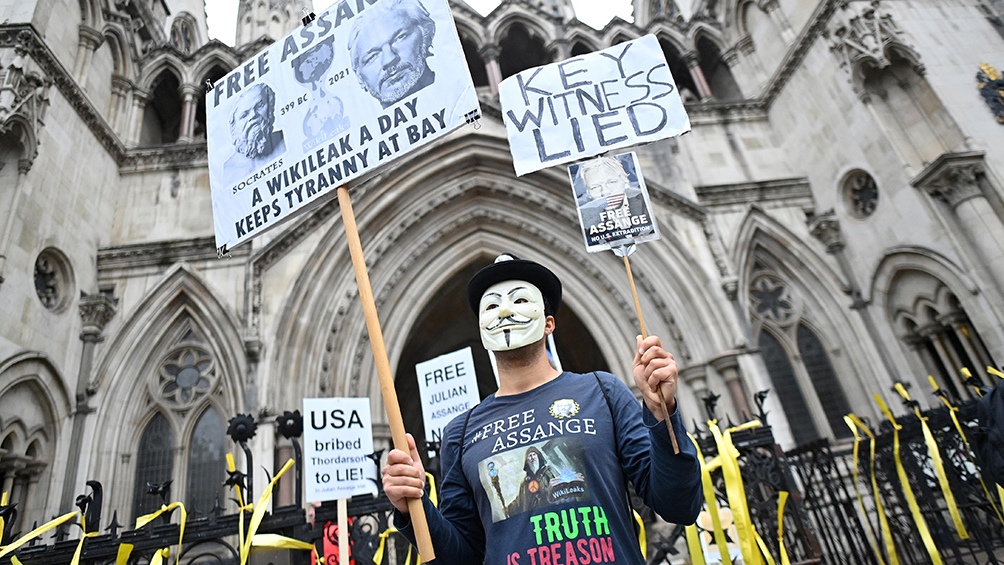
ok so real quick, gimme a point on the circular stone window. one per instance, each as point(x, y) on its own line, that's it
point(860, 194)
point(53, 280)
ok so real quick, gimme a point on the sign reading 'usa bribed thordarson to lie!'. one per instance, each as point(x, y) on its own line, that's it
point(591, 104)
point(363, 84)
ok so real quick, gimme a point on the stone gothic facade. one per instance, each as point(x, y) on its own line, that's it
point(832, 225)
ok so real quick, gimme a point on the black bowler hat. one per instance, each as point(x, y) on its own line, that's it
point(508, 267)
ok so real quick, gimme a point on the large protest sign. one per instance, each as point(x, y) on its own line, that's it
point(363, 84)
point(591, 104)
point(612, 201)
point(447, 387)
point(337, 442)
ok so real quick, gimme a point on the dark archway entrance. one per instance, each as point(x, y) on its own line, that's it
point(447, 324)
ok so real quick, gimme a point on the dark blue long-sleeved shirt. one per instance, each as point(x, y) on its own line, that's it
point(540, 478)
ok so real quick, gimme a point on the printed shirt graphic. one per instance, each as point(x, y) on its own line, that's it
point(541, 471)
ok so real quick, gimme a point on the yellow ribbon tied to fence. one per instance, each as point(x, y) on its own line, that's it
point(165, 553)
point(1000, 489)
point(735, 491)
point(50, 525)
point(697, 551)
point(939, 466)
point(782, 498)
point(911, 500)
point(855, 424)
point(952, 411)
point(258, 514)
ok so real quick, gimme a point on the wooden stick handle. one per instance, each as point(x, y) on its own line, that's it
point(415, 508)
point(343, 531)
point(644, 334)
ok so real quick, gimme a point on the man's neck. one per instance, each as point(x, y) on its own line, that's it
point(523, 369)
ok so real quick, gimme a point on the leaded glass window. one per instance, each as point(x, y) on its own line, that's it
point(154, 463)
point(824, 380)
point(206, 463)
point(782, 376)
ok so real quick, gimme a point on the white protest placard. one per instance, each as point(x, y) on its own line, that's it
point(363, 84)
point(591, 104)
point(447, 387)
point(337, 442)
point(612, 202)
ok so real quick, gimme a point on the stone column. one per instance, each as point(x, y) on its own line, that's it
point(96, 310)
point(728, 367)
point(773, 9)
point(8, 485)
point(120, 95)
point(956, 179)
point(826, 228)
point(284, 495)
point(139, 101)
point(956, 321)
point(696, 73)
point(23, 166)
point(190, 99)
point(89, 40)
point(490, 53)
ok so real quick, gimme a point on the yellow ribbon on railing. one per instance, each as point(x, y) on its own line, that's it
point(911, 500)
point(952, 411)
point(711, 501)
point(258, 514)
point(939, 466)
point(3, 502)
point(782, 498)
point(378, 555)
point(735, 491)
point(15, 561)
point(281, 542)
point(764, 550)
point(642, 540)
point(122, 556)
point(52, 524)
point(694, 545)
point(165, 553)
point(855, 424)
point(995, 372)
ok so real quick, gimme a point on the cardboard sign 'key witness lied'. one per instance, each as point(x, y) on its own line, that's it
point(591, 104)
point(337, 442)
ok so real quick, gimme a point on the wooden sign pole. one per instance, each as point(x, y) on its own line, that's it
point(343, 531)
point(415, 508)
point(644, 334)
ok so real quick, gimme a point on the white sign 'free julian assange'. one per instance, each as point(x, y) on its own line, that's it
point(448, 387)
point(337, 442)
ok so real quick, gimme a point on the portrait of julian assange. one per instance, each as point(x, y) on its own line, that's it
point(255, 141)
point(612, 201)
point(390, 45)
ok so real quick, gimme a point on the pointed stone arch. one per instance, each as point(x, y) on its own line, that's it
point(179, 306)
point(764, 249)
point(34, 406)
point(423, 224)
point(908, 284)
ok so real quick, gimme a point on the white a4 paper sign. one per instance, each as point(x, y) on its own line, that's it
point(448, 387)
point(337, 443)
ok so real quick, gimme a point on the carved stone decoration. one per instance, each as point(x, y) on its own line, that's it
point(186, 374)
point(53, 279)
point(953, 178)
point(96, 310)
point(24, 96)
point(826, 228)
point(770, 299)
point(860, 193)
point(991, 86)
point(862, 35)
